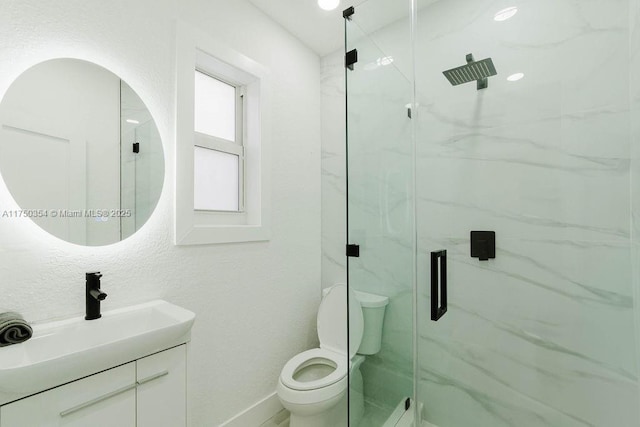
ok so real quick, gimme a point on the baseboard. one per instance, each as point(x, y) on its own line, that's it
point(256, 414)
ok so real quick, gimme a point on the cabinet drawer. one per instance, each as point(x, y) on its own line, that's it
point(106, 399)
point(162, 389)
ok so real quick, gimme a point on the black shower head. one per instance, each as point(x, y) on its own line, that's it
point(473, 71)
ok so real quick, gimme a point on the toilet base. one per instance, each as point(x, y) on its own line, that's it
point(334, 417)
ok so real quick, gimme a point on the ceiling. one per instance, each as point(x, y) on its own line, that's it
point(321, 30)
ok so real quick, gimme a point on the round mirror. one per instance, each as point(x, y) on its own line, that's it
point(79, 152)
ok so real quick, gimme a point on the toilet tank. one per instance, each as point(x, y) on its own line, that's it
point(373, 307)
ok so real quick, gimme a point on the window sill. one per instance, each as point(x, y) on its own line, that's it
point(215, 234)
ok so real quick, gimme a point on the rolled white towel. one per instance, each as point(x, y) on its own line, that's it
point(13, 329)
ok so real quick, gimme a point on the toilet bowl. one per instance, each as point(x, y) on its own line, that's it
point(313, 384)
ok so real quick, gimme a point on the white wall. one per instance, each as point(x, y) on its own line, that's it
point(255, 303)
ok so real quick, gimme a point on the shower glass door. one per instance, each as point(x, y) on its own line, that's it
point(546, 157)
point(380, 205)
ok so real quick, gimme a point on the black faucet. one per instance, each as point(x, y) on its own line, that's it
point(93, 296)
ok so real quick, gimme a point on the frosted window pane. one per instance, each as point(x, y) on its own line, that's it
point(215, 107)
point(215, 180)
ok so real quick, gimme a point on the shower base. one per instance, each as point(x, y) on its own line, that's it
point(402, 418)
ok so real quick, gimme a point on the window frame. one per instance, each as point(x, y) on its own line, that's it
point(195, 50)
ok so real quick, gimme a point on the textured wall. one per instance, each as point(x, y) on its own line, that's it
point(255, 302)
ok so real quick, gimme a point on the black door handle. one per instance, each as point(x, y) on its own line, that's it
point(438, 296)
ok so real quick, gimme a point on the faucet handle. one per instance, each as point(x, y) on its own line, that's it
point(98, 294)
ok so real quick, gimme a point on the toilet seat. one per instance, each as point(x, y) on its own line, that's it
point(316, 356)
point(300, 390)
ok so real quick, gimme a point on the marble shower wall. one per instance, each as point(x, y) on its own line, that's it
point(544, 334)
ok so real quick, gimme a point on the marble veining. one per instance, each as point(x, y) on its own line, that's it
point(528, 219)
point(501, 412)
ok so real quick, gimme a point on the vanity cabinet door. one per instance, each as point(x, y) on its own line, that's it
point(106, 399)
point(162, 389)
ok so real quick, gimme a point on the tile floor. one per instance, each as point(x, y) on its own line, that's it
point(281, 419)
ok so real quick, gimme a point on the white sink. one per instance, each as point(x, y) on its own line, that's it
point(66, 350)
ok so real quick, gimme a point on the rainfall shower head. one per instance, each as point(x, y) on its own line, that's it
point(478, 71)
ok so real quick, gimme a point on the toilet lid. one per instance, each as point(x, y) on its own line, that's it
point(332, 321)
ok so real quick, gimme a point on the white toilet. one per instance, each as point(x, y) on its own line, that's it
point(313, 384)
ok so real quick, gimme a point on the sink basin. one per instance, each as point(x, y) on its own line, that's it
point(66, 350)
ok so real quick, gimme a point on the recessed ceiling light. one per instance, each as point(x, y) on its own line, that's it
point(380, 62)
point(328, 4)
point(385, 60)
point(515, 77)
point(135, 122)
point(505, 14)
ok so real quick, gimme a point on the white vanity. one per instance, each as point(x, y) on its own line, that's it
point(126, 369)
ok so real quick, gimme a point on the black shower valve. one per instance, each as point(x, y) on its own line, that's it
point(483, 245)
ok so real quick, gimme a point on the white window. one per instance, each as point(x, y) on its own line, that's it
point(222, 183)
point(218, 152)
point(217, 106)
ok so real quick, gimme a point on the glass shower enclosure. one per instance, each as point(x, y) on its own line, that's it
point(380, 212)
point(540, 327)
